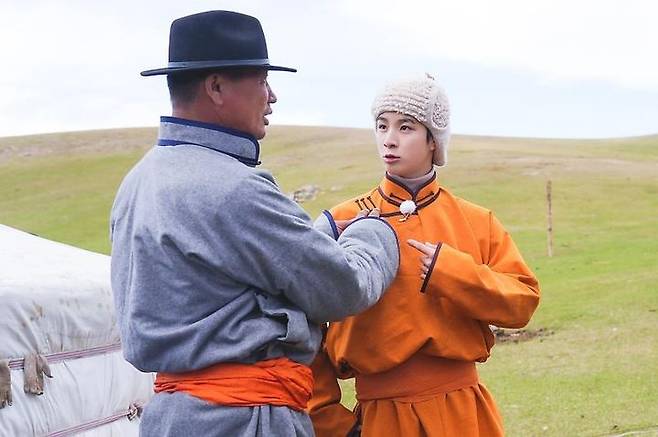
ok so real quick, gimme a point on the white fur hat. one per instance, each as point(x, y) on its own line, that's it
point(425, 100)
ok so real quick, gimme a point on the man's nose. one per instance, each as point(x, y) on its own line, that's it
point(271, 96)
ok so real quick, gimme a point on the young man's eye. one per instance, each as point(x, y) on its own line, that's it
point(405, 127)
point(381, 126)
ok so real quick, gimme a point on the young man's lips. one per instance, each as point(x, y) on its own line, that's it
point(390, 158)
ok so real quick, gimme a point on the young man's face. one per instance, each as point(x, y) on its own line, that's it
point(403, 146)
point(248, 99)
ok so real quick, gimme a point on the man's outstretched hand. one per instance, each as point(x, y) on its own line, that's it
point(342, 224)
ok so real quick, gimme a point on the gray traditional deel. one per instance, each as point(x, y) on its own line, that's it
point(212, 263)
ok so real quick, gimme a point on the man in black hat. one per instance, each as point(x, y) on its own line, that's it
point(221, 283)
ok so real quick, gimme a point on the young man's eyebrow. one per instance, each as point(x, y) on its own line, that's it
point(399, 121)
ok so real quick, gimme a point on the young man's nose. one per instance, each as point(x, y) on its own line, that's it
point(390, 139)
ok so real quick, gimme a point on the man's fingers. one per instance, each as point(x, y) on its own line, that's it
point(342, 224)
point(374, 212)
point(420, 247)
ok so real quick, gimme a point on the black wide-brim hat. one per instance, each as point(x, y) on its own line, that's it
point(216, 40)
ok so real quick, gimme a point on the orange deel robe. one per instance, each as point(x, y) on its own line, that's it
point(413, 353)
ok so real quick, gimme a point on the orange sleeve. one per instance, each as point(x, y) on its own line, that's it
point(330, 418)
point(502, 291)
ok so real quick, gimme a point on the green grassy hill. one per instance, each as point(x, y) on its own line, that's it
point(596, 374)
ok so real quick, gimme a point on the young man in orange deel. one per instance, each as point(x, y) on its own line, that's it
point(413, 354)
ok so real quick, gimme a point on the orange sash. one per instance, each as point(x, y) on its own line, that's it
point(279, 381)
point(419, 378)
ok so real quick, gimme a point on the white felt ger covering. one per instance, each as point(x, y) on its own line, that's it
point(54, 299)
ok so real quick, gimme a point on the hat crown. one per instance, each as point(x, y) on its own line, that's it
point(421, 97)
point(215, 40)
point(212, 35)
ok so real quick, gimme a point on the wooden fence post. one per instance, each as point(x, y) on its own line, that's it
point(549, 215)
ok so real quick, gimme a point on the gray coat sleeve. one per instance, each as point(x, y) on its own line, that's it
point(267, 241)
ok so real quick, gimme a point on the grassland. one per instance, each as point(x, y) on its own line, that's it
point(597, 374)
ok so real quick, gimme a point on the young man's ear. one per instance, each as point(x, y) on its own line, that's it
point(430, 139)
point(214, 85)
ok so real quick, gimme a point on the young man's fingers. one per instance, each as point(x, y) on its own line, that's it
point(361, 214)
point(420, 247)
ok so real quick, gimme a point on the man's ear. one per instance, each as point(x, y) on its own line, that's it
point(214, 87)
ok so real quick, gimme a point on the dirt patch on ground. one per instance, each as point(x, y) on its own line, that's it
point(652, 431)
point(519, 335)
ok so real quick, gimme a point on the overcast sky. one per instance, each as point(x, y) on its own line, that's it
point(558, 68)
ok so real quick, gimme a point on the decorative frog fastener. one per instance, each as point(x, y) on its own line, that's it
point(407, 208)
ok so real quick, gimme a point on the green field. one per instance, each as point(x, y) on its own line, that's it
point(597, 374)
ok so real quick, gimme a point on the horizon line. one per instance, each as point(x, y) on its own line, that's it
point(480, 135)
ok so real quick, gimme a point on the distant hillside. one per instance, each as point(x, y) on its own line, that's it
point(105, 141)
point(131, 139)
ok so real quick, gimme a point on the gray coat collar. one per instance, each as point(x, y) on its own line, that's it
point(241, 146)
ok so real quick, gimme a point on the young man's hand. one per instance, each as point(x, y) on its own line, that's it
point(427, 251)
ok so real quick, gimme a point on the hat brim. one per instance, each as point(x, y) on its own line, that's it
point(206, 66)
